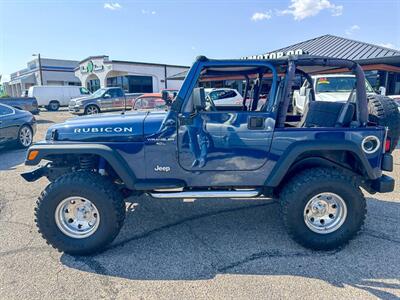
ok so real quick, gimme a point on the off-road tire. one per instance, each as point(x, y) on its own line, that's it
point(101, 192)
point(384, 111)
point(302, 187)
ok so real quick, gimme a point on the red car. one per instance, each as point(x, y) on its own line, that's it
point(152, 101)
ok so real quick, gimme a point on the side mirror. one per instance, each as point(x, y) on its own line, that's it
point(106, 96)
point(302, 91)
point(382, 90)
point(199, 99)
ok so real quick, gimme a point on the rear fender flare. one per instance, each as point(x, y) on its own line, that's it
point(291, 156)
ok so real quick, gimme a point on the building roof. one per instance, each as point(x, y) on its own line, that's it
point(178, 76)
point(106, 59)
point(339, 47)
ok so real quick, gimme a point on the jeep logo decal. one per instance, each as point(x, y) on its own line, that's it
point(104, 129)
point(162, 169)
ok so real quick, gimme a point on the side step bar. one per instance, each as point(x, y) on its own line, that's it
point(207, 194)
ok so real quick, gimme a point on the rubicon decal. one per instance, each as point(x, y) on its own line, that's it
point(104, 130)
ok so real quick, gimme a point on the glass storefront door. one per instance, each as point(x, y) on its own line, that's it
point(93, 85)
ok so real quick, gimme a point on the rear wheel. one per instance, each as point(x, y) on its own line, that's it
point(53, 106)
point(322, 208)
point(384, 111)
point(92, 110)
point(25, 136)
point(80, 213)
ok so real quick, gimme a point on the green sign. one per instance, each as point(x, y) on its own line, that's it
point(90, 67)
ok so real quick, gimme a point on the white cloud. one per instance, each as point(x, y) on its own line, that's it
point(388, 45)
point(259, 16)
point(301, 9)
point(112, 6)
point(148, 12)
point(352, 29)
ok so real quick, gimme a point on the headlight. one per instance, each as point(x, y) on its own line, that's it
point(78, 103)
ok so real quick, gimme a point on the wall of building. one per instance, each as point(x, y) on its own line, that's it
point(54, 72)
point(101, 68)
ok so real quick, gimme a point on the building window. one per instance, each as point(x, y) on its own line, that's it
point(132, 84)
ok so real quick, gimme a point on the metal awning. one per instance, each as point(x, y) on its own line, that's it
point(29, 78)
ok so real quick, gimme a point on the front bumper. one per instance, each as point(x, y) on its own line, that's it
point(384, 184)
point(77, 110)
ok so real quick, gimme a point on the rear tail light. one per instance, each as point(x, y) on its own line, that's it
point(387, 145)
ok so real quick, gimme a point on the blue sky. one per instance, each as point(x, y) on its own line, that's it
point(175, 32)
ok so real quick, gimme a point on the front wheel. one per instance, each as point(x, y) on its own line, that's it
point(323, 209)
point(92, 110)
point(80, 213)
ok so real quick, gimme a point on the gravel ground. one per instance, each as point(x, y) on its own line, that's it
point(209, 249)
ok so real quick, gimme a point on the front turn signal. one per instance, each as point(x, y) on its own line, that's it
point(33, 154)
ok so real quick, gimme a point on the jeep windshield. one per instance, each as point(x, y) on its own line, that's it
point(338, 85)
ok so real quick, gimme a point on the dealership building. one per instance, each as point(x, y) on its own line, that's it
point(380, 64)
point(45, 71)
point(96, 72)
point(93, 73)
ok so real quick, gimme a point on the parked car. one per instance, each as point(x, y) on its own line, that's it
point(151, 101)
point(52, 97)
point(104, 99)
point(16, 126)
point(25, 103)
point(327, 87)
point(224, 97)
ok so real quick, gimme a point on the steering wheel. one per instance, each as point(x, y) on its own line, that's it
point(210, 106)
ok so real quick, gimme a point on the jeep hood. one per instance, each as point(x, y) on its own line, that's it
point(128, 127)
point(332, 96)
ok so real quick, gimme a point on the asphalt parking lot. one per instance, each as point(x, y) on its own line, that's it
point(209, 249)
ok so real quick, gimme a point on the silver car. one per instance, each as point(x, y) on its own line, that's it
point(104, 99)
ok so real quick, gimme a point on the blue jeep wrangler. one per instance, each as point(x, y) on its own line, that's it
point(314, 164)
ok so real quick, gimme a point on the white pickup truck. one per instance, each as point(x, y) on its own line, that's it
point(329, 87)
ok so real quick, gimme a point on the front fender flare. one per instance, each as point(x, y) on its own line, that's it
point(111, 156)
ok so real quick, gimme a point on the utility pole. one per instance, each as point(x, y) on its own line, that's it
point(40, 68)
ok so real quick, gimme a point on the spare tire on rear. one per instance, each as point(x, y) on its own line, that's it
point(383, 111)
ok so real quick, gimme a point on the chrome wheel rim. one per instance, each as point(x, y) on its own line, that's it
point(77, 217)
point(325, 213)
point(25, 136)
point(91, 110)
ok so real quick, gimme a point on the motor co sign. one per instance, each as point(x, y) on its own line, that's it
point(276, 55)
